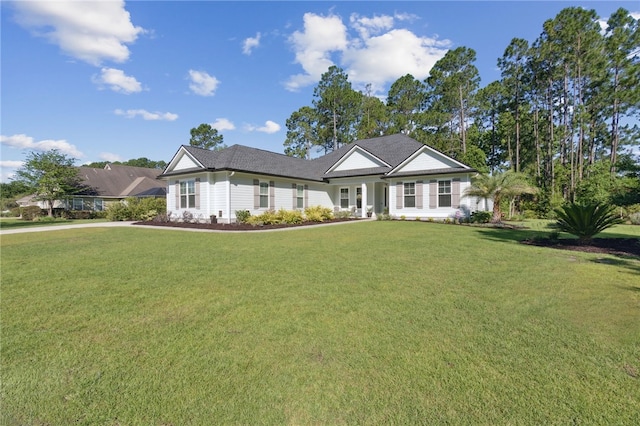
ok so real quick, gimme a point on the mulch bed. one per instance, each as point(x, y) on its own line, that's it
point(236, 226)
point(614, 246)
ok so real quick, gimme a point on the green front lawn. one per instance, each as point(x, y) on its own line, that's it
point(365, 323)
point(15, 223)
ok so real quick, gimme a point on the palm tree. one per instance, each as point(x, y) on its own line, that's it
point(499, 186)
point(585, 221)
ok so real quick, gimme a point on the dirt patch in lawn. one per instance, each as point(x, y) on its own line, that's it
point(238, 226)
point(614, 246)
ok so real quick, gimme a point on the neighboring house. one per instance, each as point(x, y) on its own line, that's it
point(394, 173)
point(113, 183)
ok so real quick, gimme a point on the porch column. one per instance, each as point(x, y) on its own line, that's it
point(373, 199)
point(363, 210)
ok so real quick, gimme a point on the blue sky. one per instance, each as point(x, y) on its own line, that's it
point(115, 80)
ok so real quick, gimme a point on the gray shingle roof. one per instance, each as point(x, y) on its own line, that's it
point(120, 181)
point(392, 149)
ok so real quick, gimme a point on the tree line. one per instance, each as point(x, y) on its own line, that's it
point(562, 113)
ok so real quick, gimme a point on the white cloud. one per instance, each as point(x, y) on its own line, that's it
point(223, 124)
point(202, 83)
point(107, 156)
point(367, 26)
point(92, 31)
point(118, 81)
point(313, 46)
point(403, 53)
point(146, 115)
point(251, 43)
point(374, 51)
point(269, 127)
point(23, 141)
point(10, 164)
point(8, 169)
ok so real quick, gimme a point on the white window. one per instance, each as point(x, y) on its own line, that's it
point(410, 194)
point(78, 204)
point(264, 195)
point(444, 193)
point(98, 204)
point(359, 197)
point(300, 196)
point(187, 194)
point(344, 198)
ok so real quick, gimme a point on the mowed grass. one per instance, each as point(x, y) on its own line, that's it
point(365, 323)
point(7, 223)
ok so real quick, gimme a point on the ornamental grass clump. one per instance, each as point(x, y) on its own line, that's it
point(585, 221)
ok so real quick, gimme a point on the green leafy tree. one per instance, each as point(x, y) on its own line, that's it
point(499, 187)
point(337, 106)
point(205, 136)
point(513, 65)
point(451, 88)
point(50, 176)
point(374, 117)
point(405, 101)
point(586, 220)
point(9, 192)
point(136, 162)
point(622, 44)
point(301, 133)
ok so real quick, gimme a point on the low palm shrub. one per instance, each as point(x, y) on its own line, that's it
point(585, 220)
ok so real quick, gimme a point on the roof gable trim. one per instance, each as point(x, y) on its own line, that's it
point(366, 159)
point(178, 161)
point(432, 153)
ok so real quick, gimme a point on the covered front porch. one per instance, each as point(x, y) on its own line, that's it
point(363, 199)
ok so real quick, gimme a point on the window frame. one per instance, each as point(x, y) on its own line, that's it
point(188, 194)
point(409, 198)
point(98, 204)
point(264, 197)
point(344, 190)
point(299, 196)
point(73, 204)
point(443, 185)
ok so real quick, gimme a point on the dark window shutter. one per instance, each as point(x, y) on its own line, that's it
point(433, 194)
point(294, 191)
point(455, 193)
point(256, 194)
point(419, 204)
point(399, 195)
point(272, 194)
point(197, 193)
point(306, 196)
point(177, 194)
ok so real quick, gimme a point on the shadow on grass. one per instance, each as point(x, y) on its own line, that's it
point(626, 261)
point(621, 262)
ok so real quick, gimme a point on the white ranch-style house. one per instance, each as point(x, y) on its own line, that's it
point(394, 174)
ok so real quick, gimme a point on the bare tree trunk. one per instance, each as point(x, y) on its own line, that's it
point(614, 123)
point(536, 134)
point(463, 134)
